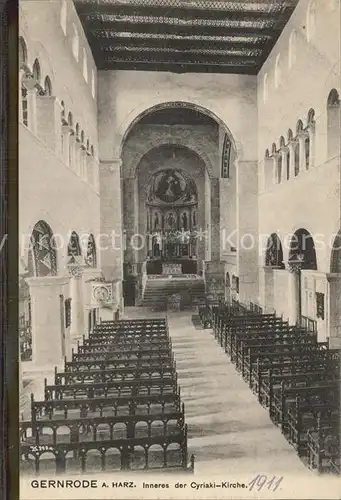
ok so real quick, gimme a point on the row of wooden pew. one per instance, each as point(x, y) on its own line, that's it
point(293, 375)
point(115, 406)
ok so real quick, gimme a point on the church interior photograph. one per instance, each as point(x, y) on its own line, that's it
point(180, 237)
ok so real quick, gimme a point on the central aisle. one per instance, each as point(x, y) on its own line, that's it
point(228, 429)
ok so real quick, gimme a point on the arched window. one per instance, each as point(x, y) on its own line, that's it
point(88, 146)
point(93, 83)
point(74, 249)
point(288, 158)
point(22, 52)
point(333, 123)
point(292, 49)
point(226, 156)
point(296, 147)
point(265, 87)
point(85, 65)
point(24, 104)
point(278, 72)
point(48, 86)
point(279, 167)
point(92, 151)
point(274, 252)
point(91, 257)
point(63, 16)
point(299, 127)
point(309, 140)
point(307, 152)
point(77, 131)
point(36, 71)
point(75, 42)
point(70, 155)
point(302, 250)
point(82, 137)
point(43, 250)
point(311, 21)
point(62, 113)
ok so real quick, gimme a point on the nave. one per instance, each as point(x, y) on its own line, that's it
point(227, 428)
point(251, 393)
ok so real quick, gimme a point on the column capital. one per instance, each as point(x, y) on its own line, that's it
point(333, 277)
point(47, 281)
point(112, 165)
point(294, 268)
point(75, 270)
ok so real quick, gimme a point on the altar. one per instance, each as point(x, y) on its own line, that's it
point(171, 268)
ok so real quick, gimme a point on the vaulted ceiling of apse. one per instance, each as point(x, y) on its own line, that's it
point(181, 36)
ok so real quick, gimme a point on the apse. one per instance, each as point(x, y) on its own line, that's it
point(171, 205)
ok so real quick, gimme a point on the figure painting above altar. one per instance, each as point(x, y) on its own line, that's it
point(171, 186)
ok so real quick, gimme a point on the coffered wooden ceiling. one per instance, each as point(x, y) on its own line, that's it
point(212, 36)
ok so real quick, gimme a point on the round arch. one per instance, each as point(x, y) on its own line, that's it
point(42, 254)
point(143, 110)
point(74, 248)
point(170, 140)
point(274, 252)
point(335, 258)
point(91, 252)
point(302, 250)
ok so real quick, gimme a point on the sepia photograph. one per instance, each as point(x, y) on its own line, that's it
point(179, 221)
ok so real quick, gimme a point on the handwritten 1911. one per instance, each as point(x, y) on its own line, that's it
point(261, 481)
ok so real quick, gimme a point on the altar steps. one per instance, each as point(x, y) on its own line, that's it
point(157, 291)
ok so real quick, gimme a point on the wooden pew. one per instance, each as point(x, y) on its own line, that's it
point(303, 416)
point(115, 374)
point(151, 361)
point(326, 359)
point(287, 399)
point(113, 455)
point(136, 354)
point(270, 343)
point(106, 389)
point(323, 446)
point(78, 430)
point(270, 381)
point(112, 405)
point(278, 354)
point(90, 346)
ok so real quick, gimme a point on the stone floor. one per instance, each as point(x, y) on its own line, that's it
point(227, 427)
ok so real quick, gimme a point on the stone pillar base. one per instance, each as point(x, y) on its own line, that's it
point(214, 276)
point(48, 331)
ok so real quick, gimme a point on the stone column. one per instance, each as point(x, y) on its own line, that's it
point(77, 302)
point(48, 343)
point(78, 165)
point(112, 246)
point(129, 217)
point(247, 228)
point(65, 132)
point(214, 275)
point(89, 275)
point(111, 219)
point(294, 283)
point(334, 310)
point(31, 98)
point(215, 219)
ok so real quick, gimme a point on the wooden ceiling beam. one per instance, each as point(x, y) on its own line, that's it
point(123, 56)
point(271, 11)
point(177, 68)
point(160, 43)
point(176, 29)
